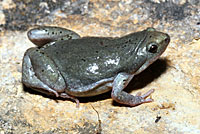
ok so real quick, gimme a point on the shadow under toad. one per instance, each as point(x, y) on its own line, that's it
point(139, 81)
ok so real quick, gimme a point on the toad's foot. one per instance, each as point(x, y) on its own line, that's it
point(123, 97)
point(144, 96)
point(127, 99)
point(66, 96)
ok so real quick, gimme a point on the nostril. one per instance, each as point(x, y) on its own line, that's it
point(167, 39)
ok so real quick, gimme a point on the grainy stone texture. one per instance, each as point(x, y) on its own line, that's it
point(175, 77)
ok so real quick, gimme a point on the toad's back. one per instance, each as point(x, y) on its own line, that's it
point(90, 59)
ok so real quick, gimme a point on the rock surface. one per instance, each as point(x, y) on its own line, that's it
point(175, 77)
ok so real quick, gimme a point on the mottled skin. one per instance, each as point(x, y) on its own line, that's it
point(68, 66)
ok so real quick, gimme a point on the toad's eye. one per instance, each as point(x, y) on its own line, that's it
point(152, 47)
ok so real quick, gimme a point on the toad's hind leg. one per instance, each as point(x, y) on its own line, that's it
point(122, 97)
point(46, 34)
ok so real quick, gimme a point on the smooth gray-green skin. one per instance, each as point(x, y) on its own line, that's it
point(89, 66)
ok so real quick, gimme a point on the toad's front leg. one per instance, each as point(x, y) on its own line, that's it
point(120, 96)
